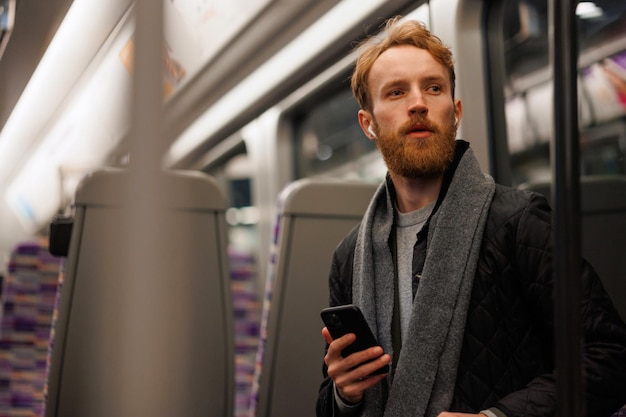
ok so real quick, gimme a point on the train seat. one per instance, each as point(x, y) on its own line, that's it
point(28, 297)
point(144, 322)
point(603, 228)
point(314, 215)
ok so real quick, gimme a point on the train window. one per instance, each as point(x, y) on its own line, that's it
point(327, 134)
point(527, 87)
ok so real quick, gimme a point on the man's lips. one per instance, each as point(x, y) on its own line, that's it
point(419, 130)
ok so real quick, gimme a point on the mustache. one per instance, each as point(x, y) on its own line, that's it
point(422, 121)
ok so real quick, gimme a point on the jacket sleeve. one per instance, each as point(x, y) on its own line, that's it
point(340, 292)
point(604, 333)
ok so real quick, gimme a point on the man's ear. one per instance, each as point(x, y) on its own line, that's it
point(458, 111)
point(367, 124)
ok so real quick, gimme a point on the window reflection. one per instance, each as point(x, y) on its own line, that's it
point(327, 133)
point(602, 87)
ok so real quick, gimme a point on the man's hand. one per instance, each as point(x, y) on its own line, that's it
point(352, 375)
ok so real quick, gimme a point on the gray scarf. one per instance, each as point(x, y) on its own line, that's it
point(424, 380)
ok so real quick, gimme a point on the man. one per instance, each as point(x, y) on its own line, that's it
point(452, 272)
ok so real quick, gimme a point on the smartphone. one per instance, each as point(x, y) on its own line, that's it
point(346, 319)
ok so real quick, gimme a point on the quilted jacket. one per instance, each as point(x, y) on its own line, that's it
point(507, 358)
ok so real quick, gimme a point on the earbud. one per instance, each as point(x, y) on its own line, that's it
point(371, 132)
point(456, 121)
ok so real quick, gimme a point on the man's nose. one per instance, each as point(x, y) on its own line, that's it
point(417, 104)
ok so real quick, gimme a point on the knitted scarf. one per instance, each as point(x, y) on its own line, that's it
point(424, 379)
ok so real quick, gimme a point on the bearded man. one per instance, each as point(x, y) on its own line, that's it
point(452, 271)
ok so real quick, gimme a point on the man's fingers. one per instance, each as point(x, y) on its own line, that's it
point(339, 344)
point(327, 336)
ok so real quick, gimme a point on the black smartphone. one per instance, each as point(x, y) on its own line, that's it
point(346, 319)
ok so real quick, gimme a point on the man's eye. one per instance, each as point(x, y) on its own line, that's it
point(434, 88)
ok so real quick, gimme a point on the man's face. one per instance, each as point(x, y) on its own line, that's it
point(413, 112)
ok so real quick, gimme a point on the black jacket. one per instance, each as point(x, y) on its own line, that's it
point(507, 358)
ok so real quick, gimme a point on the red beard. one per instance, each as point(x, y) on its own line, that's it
point(418, 158)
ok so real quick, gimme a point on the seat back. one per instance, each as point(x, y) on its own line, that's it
point(145, 338)
point(314, 216)
point(603, 229)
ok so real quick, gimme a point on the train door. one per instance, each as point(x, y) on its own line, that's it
point(587, 170)
point(522, 111)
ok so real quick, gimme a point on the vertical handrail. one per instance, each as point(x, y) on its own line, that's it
point(566, 204)
point(142, 379)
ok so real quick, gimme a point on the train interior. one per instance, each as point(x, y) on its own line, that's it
point(195, 289)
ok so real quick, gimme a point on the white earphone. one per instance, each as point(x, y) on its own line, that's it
point(371, 131)
point(456, 121)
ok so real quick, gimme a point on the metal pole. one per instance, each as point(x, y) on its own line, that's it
point(566, 204)
point(143, 381)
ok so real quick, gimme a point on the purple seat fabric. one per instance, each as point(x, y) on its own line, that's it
point(28, 299)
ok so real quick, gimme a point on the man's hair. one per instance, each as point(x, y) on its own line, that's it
point(398, 33)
